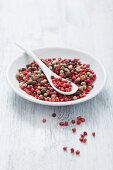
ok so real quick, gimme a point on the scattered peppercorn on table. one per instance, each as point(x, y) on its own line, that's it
point(38, 137)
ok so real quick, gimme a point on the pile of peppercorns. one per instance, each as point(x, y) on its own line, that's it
point(77, 121)
point(62, 84)
point(34, 82)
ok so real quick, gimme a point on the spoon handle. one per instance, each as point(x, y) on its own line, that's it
point(45, 69)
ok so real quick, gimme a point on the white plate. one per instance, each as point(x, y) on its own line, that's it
point(22, 60)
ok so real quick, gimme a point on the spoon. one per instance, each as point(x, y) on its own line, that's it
point(48, 72)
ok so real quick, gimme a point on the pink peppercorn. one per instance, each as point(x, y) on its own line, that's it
point(65, 148)
point(62, 123)
point(82, 135)
point(73, 130)
point(53, 114)
point(82, 119)
point(78, 122)
point(93, 133)
point(81, 139)
point(77, 152)
point(84, 140)
point(62, 84)
point(85, 133)
point(73, 121)
point(72, 150)
point(44, 120)
point(66, 123)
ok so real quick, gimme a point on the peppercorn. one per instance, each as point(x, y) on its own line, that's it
point(72, 150)
point(34, 83)
point(77, 152)
point(23, 69)
point(74, 98)
point(44, 120)
point(93, 133)
point(43, 90)
point(62, 123)
point(77, 80)
point(65, 148)
point(29, 82)
point(73, 130)
point(28, 65)
point(66, 123)
point(85, 133)
point(17, 76)
point(53, 114)
point(73, 121)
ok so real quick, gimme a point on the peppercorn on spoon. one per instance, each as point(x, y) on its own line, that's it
point(48, 73)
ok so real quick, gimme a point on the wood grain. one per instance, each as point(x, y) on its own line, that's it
point(26, 143)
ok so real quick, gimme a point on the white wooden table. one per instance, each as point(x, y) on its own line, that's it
point(25, 142)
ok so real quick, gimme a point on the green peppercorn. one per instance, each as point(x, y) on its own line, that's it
point(83, 83)
point(41, 97)
point(80, 70)
point(61, 71)
point(29, 74)
point(84, 87)
point(43, 90)
point(28, 65)
point(90, 87)
point(68, 74)
point(38, 92)
point(39, 72)
point(90, 75)
point(63, 68)
point(67, 79)
point(20, 84)
point(19, 69)
point(39, 87)
point(35, 78)
point(24, 78)
point(36, 72)
point(70, 67)
point(32, 68)
point(77, 80)
point(54, 62)
point(45, 94)
point(78, 92)
point(45, 81)
point(74, 98)
point(42, 75)
point(53, 95)
point(80, 88)
point(21, 75)
point(33, 65)
point(77, 69)
point(25, 84)
point(23, 69)
point(65, 65)
point(41, 83)
point(29, 82)
point(17, 76)
point(34, 83)
point(67, 70)
point(50, 67)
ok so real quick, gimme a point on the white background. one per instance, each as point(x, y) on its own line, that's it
point(26, 143)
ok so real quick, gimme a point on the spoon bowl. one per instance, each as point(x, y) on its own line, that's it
point(22, 60)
